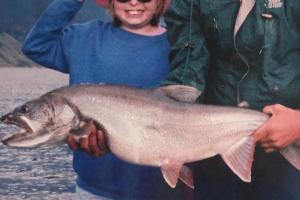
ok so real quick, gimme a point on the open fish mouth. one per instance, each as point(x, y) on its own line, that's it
point(20, 122)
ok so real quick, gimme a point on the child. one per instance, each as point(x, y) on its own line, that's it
point(131, 50)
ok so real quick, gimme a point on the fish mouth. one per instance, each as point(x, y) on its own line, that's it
point(17, 120)
point(20, 122)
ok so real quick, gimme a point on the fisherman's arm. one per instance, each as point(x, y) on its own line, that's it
point(189, 56)
point(281, 130)
point(45, 42)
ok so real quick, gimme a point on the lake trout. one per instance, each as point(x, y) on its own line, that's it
point(145, 127)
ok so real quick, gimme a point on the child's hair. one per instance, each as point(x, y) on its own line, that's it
point(154, 21)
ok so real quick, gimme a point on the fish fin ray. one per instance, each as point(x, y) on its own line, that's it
point(84, 128)
point(292, 154)
point(186, 176)
point(171, 173)
point(174, 171)
point(181, 93)
point(239, 158)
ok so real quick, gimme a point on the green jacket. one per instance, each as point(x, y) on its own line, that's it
point(261, 65)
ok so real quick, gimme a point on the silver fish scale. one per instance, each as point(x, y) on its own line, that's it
point(145, 128)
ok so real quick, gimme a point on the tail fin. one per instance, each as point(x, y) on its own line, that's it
point(292, 154)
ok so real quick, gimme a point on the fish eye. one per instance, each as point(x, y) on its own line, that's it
point(24, 109)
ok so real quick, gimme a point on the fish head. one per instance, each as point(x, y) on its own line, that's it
point(46, 120)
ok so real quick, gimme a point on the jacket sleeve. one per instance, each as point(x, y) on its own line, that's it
point(44, 44)
point(189, 57)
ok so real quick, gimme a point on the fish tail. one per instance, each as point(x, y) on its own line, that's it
point(292, 154)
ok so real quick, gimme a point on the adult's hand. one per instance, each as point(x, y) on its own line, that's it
point(93, 140)
point(282, 129)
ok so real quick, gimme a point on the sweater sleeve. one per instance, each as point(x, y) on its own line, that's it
point(44, 43)
point(189, 56)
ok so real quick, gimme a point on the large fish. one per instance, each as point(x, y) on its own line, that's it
point(145, 127)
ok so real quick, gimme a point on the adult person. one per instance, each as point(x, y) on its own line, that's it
point(242, 53)
point(131, 50)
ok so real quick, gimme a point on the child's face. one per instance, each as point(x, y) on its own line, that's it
point(134, 14)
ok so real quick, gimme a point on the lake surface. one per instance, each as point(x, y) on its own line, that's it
point(43, 173)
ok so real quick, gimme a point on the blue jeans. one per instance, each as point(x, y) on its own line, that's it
point(273, 178)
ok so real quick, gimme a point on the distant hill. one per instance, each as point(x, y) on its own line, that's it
point(18, 16)
point(10, 54)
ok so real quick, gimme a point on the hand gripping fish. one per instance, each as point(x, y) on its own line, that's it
point(145, 127)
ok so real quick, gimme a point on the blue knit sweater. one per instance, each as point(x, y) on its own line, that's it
point(100, 52)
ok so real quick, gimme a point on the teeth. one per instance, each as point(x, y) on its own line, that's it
point(134, 12)
point(6, 137)
point(13, 134)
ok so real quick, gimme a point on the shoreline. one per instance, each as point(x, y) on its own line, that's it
point(41, 173)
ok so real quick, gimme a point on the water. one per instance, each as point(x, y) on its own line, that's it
point(43, 173)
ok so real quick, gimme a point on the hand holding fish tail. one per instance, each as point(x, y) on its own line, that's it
point(92, 141)
point(281, 130)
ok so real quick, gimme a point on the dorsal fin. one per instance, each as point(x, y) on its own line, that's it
point(181, 93)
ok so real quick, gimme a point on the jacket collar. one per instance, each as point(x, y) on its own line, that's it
point(245, 7)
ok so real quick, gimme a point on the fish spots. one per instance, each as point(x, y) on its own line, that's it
point(152, 127)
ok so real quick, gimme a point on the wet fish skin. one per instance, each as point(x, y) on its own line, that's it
point(144, 127)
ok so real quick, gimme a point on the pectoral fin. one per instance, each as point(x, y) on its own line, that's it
point(181, 92)
point(292, 154)
point(82, 130)
point(172, 172)
point(239, 158)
